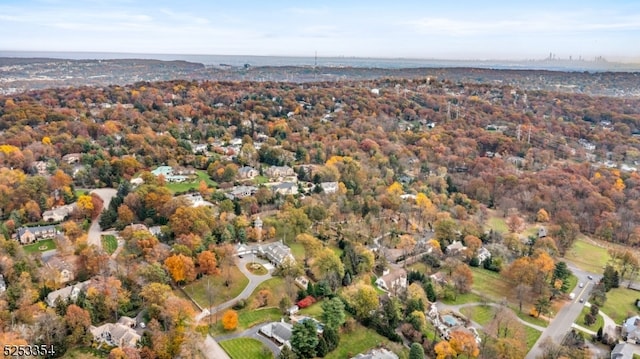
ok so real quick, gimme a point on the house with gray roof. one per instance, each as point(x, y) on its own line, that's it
point(280, 332)
point(27, 235)
point(631, 329)
point(116, 334)
point(67, 293)
point(377, 353)
point(285, 188)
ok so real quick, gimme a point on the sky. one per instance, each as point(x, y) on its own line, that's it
point(469, 30)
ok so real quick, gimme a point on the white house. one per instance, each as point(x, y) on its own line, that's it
point(455, 248)
point(119, 334)
point(631, 329)
point(58, 214)
point(377, 353)
point(395, 281)
point(483, 254)
point(329, 187)
point(285, 188)
point(167, 173)
point(279, 332)
point(279, 171)
point(67, 293)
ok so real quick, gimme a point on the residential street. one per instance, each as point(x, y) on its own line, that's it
point(95, 232)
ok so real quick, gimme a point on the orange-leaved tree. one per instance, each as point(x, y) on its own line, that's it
point(230, 320)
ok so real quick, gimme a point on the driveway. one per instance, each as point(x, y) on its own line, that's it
point(106, 194)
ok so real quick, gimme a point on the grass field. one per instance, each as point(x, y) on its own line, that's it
point(532, 336)
point(481, 314)
point(251, 317)
point(497, 223)
point(360, 340)
point(246, 348)
point(186, 186)
point(314, 310)
point(109, 243)
point(220, 293)
point(84, 353)
point(297, 250)
point(258, 180)
point(588, 256)
point(491, 284)
point(594, 327)
point(40, 246)
point(463, 298)
point(620, 303)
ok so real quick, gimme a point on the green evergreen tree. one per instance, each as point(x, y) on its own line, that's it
point(416, 352)
point(304, 339)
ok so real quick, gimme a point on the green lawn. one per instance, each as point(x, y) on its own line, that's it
point(297, 250)
point(314, 310)
point(481, 314)
point(498, 224)
point(594, 327)
point(220, 293)
point(463, 298)
point(620, 303)
point(258, 180)
point(40, 246)
point(360, 340)
point(529, 319)
point(257, 268)
point(420, 267)
point(248, 318)
point(491, 284)
point(588, 256)
point(192, 183)
point(532, 336)
point(246, 348)
point(109, 243)
point(84, 353)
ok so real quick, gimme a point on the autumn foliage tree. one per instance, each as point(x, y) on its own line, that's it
point(230, 320)
point(181, 268)
point(207, 263)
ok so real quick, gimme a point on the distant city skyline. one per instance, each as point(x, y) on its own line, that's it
point(465, 30)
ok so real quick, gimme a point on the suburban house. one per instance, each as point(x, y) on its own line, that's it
point(65, 270)
point(120, 334)
point(377, 353)
point(631, 329)
point(279, 171)
point(393, 281)
point(72, 158)
point(280, 332)
point(67, 293)
point(483, 254)
point(41, 167)
point(59, 214)
point(302, 282)
point(199, 147)
point(455, 248)
point(138, 227)
point(196, 200)
point(135, 182)
point(622, 351)
point(247, 172)
point(276, 253)
point(27, 235)
point(285, 188)
point(241, 192)
point(438, 278)
point(167, 173)
point(542, 232)
point(329, 187)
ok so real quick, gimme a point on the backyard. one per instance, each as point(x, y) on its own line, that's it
point(620, 303)
point(193, 184)
point(360, 340)
point(246, 348)
point(220, 293)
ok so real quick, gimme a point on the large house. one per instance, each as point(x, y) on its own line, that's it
point(59, 214)
point(241, 192)
point(279, 332)
point(247, 172)
point(65, 269)
point(167, 173)
point(631, 329)
point(279, 171)
point(276, 253)
point(72, 158)
point(27, 235)
point(393, 281)
point(378, 353)
point(120, 334)
point(285, 188)
point(329, 187)
point(67, 293)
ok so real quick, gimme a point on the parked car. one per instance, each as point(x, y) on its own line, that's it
point(581, 285)
point(590, 277)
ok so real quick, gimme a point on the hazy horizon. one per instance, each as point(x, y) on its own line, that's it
point(495, 30)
